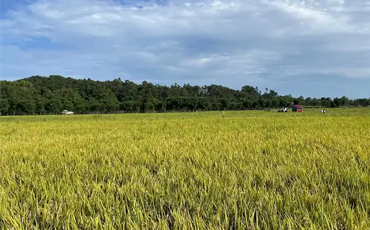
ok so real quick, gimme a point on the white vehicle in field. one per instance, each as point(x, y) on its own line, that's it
point(66, 112)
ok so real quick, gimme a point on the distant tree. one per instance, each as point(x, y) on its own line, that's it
point(336, 102)
point(51, 95)
point(344, 101)
point(4, 106)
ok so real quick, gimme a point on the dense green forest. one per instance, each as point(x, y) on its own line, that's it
point(51, 95)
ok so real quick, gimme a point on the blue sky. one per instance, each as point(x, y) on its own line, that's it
point(308, 47)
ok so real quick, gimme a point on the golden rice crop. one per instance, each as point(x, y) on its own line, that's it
point(240, 170)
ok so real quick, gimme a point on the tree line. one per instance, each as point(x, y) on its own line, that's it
point(53, 94)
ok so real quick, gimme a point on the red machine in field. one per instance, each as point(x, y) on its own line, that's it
point(297, 108)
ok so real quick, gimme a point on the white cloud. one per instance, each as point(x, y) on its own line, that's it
point(202, 42)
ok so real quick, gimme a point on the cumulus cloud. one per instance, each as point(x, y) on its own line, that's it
point(274, 43)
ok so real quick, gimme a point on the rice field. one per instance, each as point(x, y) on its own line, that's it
point(240, 170)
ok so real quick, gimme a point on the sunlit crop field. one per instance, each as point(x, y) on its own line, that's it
point(240, 170)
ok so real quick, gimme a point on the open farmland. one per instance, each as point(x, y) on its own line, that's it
point(243, 170)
